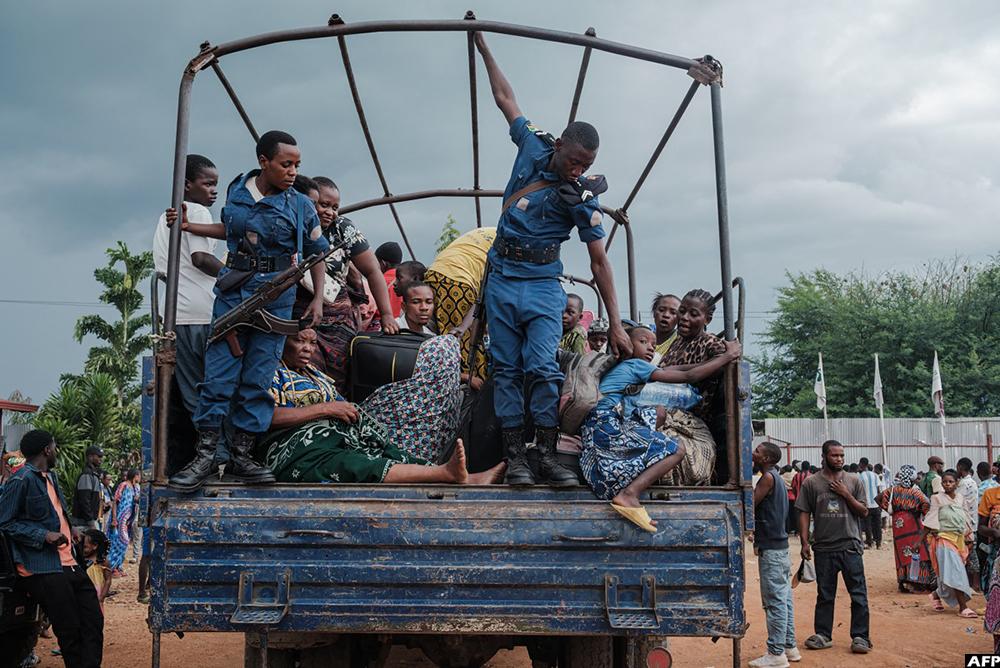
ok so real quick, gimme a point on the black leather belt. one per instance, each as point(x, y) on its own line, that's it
point(264, 265)
point(511, 251)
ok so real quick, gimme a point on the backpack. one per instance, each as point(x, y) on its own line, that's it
point(580, 390)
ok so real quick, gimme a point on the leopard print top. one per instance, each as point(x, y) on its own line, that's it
point(696, 350)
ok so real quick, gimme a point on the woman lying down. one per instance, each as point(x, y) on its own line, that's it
point(394, 436)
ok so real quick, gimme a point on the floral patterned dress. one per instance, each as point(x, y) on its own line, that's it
point(619, 437)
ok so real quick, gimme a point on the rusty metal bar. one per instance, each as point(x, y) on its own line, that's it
point(722, 207)
point(166, 345)
point(367, 27)
point(232, 96)
point(421, 194)
point(741, 302)
point(621, 219)
point(692, 89)
point(474, 100)
point(154, 299)
point(633, 304)
point(576, 280)
point(584, 64)
point(368, 137)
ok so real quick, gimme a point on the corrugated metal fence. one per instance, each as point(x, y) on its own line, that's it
point(12, 434)
point(908, 440)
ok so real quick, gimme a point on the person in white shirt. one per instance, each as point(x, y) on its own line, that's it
point(197, 270)
point(418, 307)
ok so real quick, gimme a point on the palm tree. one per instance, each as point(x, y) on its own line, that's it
point(85, 412)
point(124, 338)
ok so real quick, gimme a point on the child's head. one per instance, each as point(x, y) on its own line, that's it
point(279, 157)
point(949, 481)
point(95, 545)
point(572, 312)
point(408, 272)
point(418, 303)
point(695, 313)
point(597, 335)
point(201, 180)
point(329, 201)
point(107, 479)
point(643, 343)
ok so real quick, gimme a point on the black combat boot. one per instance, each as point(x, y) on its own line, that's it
point(551, 470)
point(241, 466)
point(201, 468)
point(518, 472)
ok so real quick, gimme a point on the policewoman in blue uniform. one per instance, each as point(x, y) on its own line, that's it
point(546, 198)
point(267, 225)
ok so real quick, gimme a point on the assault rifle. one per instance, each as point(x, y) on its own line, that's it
point(251, 313)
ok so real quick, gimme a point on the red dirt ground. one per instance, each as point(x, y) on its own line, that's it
point(905, 631)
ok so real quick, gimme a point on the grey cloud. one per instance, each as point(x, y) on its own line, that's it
point(857, 135)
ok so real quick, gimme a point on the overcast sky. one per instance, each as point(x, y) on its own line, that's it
point(859, 136)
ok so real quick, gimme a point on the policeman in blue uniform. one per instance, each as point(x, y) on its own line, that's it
point(267, 225)
point(546, 198)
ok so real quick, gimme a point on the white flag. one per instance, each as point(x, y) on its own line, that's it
point(937, 391)
point(820, 386)
point(877, 391)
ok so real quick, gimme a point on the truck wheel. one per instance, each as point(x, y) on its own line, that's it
point(587, 652)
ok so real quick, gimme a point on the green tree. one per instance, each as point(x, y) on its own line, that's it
point(904, 317)
point(83, 412)
point(448, 233)
point(124, 339)
point(101, 405)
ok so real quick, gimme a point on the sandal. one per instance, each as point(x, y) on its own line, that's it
point(861, 645)
point(936, 603)
point(818, 642)
point(968, 613)
point(637, 516)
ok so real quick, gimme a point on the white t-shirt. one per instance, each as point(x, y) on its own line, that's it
point(194, 287)
point(401, 321)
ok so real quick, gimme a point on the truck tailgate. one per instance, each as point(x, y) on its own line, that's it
point(443, 559)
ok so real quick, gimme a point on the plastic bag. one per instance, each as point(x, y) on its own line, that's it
point(806, 573)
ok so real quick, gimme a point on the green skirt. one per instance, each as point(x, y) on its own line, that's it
point(334, 451)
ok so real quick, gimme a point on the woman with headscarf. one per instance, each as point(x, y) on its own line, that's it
point(397, 435)
point(907, 505)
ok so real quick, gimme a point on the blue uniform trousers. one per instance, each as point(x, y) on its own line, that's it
point(241, 383)
point(524, 317)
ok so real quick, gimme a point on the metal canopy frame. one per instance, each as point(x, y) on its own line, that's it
point(705, 71)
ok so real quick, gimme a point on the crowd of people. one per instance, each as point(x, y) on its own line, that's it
point(944, 527)
point(91, 537)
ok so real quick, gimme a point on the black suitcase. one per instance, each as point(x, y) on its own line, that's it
point(376, 359)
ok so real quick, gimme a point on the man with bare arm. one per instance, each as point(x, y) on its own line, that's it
point(546, 197)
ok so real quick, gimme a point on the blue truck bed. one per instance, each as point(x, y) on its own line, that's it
point(447, 559)
point(444, 559)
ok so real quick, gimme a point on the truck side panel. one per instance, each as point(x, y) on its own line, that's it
point(426, 559)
